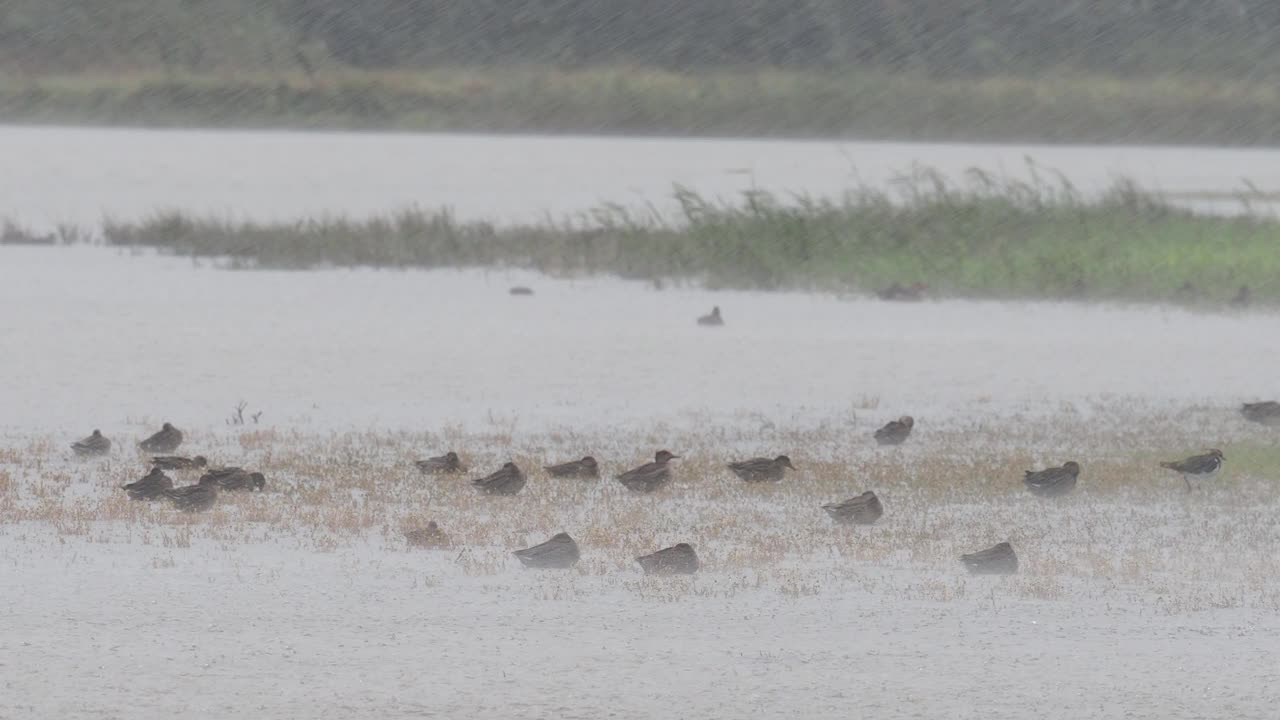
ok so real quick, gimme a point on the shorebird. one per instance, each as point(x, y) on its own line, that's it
point(446, 464)
point(861, 510)
point(165, 441)
point(95, 444)
point(995, 560)
point(586, 468)
point(508, 480)
point(713, 319)
point(1202, 465)
point(762, 469)
point(675, 560)
point(178, 462)
point(650, 476)
point(430, 536)
point(1267, 413)
point(194, 498)
point(558, 552)
point(895, 431)
point(151, 487)
point(1054, 481)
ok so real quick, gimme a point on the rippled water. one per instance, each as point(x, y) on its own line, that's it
point(77, 175)
point(98, 336)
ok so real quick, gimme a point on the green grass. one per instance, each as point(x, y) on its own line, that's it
point(1063, 106)
point(987, 237)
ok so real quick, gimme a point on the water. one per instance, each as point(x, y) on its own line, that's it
point(78, 175)
point(99, 336)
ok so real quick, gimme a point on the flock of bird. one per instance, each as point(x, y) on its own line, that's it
point(561, 551)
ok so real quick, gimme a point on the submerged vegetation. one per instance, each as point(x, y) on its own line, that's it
point(985, 237)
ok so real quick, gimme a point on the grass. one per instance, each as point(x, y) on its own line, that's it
point(1056, 107)
point(984, 236)
point(1128, 530)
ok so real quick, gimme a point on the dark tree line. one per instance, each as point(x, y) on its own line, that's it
point(967, 37)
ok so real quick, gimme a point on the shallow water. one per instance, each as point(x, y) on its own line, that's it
point(78, 175)
point(95, 337)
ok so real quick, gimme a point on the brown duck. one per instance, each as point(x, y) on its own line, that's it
point(95, 444)
point(713, 319)
point(446, 464)
point(165, 441)
point(650, 476)
point(178, 462)
point(995, 560)
point(559, 552)
point(675, 560)
point(587, 468)
point(864, 509)
point(195, 498)
point(896, 431)
point(762, 469)
point(151, 487)
point(1054, 481)
point(508, 480)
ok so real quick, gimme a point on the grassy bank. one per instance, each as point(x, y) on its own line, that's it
point(987, 237)
point(866, 104)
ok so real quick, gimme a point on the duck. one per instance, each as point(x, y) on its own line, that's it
point(1054, 481)
point(676, 560)
point(713, 319)
point(153, 486)
point(178, 462)
point(1201, 465)
point(520, 290)
point(586, 468)
point(559, 552)
point(239, 480)
point(762, 469)
point(430, 536)
point(998, 559)
point(194, 498)
point(446, 464)
point(95, 444)
point(507, 480)
point(165, 441)
point(1266, 412)
point(650, 476)
point(864, 509)
point(895, 432)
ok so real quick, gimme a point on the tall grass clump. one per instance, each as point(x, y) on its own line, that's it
point(982, 235)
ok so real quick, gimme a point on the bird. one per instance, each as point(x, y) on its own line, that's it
point(165, 441)
point(194, 498)
point(898, 291)
point(430, 536)
point(446, 464)
point(864, 509)
point(586, 468)
point(521, 290)
point(558, 552)
point(650, 476)
point(1267, 413)
point(713, 319)
point(998, 559)
point(1243, 298)
point(217, 474)
point(675, 560)
point(151, 487)
point(1204, 465)
point(508, 480)
point(762, 469)
point(895, 431)
point(178, 462)
point(1054, 481)
point(239, 480)
point(95, 444)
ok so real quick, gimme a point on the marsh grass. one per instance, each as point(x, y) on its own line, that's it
point(1130, 530)
point(976, 236)
point(869, 103)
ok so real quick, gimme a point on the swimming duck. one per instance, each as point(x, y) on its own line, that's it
point(165, 441)
point(1202, 465)
point(762, 469)
point(446, 464)
point(1054, 481)
point(558, 552)
point(95, 444)
point(586, 468)
point(996, 560)
point(151, 487)
point(650, 476)
point(864, 509)
point(675, 560)
point(895, 432)
point(508, 480)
